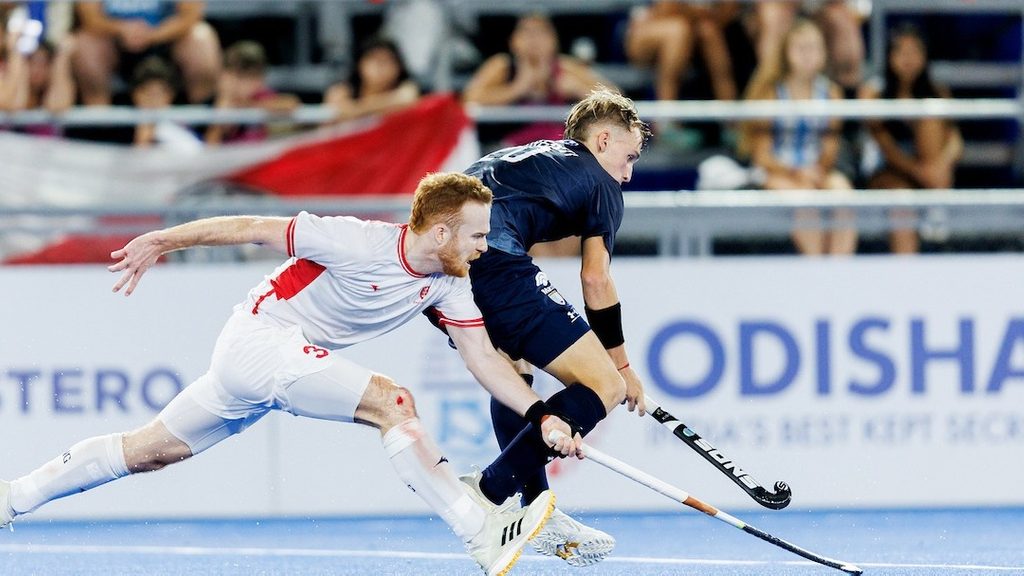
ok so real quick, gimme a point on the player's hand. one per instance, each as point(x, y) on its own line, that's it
point(634, 391)
point(135, 258)
point(558, 436)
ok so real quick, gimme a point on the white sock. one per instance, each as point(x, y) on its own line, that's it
point(86, 465)
point(421, 466)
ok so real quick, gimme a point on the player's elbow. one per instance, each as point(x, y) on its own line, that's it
point(595, 280)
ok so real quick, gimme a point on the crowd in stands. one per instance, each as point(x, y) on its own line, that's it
point(532, 72)
point(800, 153)
point(380, 82)
point(155, 54)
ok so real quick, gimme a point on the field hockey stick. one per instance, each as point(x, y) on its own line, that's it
point(776, 500)
point(683, 497)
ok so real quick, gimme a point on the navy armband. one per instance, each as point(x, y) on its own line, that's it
point(607, 325)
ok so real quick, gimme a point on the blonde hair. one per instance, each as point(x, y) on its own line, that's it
point(603, 105)
point(772, 70)
point(440, 197)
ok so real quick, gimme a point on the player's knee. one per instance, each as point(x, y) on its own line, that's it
point(618, 392)
point(676, 32)
point(386, 404)
point(612, 391)
point(148, 449)
point(159, 460)
point(400, 405)
point(156, 460)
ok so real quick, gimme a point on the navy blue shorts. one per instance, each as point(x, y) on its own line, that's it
point(524, 314)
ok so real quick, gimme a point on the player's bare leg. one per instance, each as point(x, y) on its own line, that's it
point(153, 447)
point(91, 463)
point(422, 466)
point(585, 363)
point(593, 388)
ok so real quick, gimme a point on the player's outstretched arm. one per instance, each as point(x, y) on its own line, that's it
point(496, 375)
point(605, 316)
point(142, 252)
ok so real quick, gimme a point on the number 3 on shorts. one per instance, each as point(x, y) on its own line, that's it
point(316, 351)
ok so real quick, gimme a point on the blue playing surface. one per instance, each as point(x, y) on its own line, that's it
point(880, 542)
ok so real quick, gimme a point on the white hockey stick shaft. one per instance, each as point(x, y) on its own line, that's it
point(683, 497)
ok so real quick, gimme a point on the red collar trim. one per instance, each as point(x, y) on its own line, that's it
point(401, 255)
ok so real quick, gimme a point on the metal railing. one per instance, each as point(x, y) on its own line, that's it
point(687, 223)
point(718, 110)
point(680, 223)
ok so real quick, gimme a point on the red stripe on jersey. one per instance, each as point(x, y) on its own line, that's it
point(458, 323)
point(463, 323)
point(256, 308)
point(401, 255)
point(291, 281)
point(294, 278)
point(290, 238)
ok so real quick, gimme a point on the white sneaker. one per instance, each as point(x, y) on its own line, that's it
point(500, 542)
point(573, 542)
point(471, 482)
point(6, 512)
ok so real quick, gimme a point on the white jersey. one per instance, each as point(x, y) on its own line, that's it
point(349, 281)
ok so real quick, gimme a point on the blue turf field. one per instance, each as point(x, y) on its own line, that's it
point(882, 542)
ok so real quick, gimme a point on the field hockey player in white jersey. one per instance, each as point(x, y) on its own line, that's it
point(347, 280)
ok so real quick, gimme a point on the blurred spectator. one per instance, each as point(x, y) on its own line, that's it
point(6, 8)
point(379, 83)
point(50, 83)
point(429, 35)
point(120, 33)
point(421, 30)
point(154, 86)
point(664, 36)
point(19, 37)
point(533, 72)
point(42, 74)
point(800, 153)
point(33, 74)
point(917, 153)
point(55, 17)
point(839, 19)
point(243, 84)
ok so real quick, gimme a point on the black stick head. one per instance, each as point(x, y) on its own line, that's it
point(782, 489)
point(774, 500)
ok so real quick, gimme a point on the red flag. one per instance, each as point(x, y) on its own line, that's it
point(389, 158)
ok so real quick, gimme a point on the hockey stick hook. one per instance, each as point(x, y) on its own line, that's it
point(775, 500)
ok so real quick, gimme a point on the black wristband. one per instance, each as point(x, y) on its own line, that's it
point(607, 325)
point(536, 412)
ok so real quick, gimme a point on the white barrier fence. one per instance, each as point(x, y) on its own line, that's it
point(873, 382)
point(681, 223)
point(697, 110)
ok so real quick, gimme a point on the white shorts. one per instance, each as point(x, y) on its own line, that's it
point(256, 368)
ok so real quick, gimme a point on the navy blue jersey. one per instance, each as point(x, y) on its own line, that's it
point(548, 190)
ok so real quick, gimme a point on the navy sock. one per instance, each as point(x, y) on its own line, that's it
point(528, 453)
point(507, 425)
